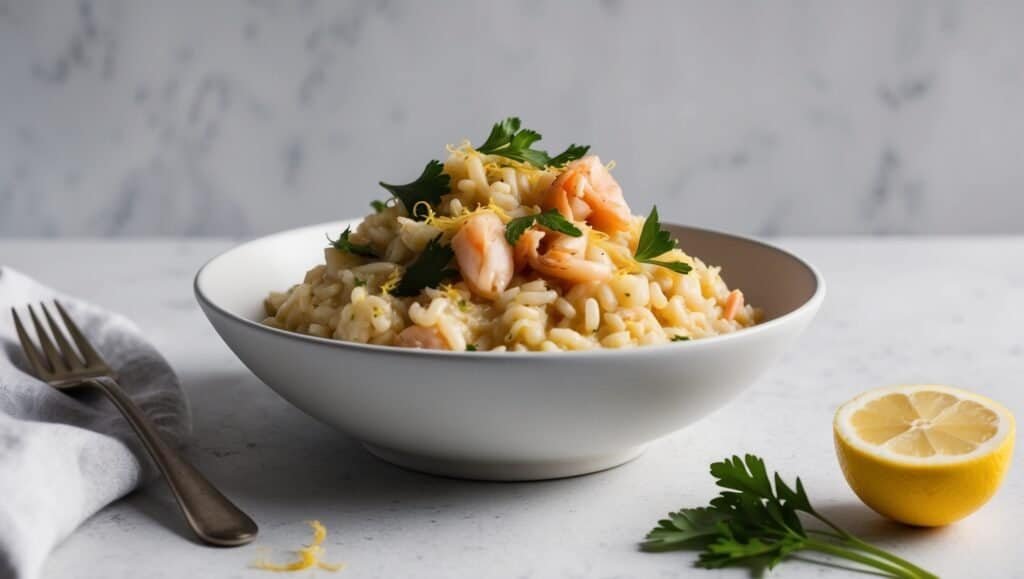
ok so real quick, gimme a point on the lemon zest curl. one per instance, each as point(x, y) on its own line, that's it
point(308, 557)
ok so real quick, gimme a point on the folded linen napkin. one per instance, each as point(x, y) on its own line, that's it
point(62, 458)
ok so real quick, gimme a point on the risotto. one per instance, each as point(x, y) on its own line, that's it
point(505, 247)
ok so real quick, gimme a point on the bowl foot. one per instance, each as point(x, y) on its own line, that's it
point(506, 470)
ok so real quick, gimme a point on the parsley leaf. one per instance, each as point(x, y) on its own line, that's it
point(571, 154)
point(517, 227)
point(378, 206)
point(509, 141)
point(756, 523)
point(343, 244)
point(550, 219)
point(553, 220)
point(680, 338)
point(676, 266)
point(654, 242)
point(471, 347)
point(427, 188)
point(429, 269)
point(688, 526)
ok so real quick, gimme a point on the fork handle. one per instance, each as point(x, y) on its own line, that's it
point(214, 518)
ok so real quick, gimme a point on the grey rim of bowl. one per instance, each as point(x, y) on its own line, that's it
point(815, 299)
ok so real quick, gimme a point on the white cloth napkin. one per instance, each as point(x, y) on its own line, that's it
point(62, 458)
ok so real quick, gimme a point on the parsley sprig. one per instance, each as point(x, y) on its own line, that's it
point(550, 219)
point(655, 242)
point(509, 141)
point(570, 154)
point(427, 188)
point(343, 244)
point(754, 523)
point(429, 269)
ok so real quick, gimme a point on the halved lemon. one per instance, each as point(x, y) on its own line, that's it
point(924, 455)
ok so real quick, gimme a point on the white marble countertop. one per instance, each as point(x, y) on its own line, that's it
point(899, 310)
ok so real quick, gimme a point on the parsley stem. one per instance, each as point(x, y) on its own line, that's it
point(754, 520)
point(828, 534)
point(850, 555)
point(863, 546)
point(867, 547)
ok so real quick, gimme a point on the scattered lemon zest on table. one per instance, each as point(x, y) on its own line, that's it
point(308, 556)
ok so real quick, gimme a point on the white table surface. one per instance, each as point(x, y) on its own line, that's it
point(899, 310)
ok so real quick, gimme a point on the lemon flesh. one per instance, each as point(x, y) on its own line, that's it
point(924, 455)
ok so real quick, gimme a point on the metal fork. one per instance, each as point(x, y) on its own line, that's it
point(214, 518)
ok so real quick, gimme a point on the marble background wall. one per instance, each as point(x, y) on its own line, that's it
point(128, 117)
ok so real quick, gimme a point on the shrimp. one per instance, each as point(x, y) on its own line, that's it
point(733, 304)
point(562, 257)
point(420, 337)
point(586, 191)
point(483, 255)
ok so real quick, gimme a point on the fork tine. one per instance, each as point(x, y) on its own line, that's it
point(70, 356)
point(88, 353)
point(30, 350)
point(56, 361)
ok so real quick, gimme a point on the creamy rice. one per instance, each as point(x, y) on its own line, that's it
point(349, 297)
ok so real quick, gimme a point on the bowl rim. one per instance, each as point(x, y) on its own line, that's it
point(811, 304)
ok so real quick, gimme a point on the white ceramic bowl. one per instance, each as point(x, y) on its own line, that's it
point(505, 415)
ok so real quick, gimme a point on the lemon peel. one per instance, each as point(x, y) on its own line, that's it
point(308, 557)
point(495, 164)
point(619, 254)
point(449, 291)
point(391, 283)
point(450, 224)
point(925, 455)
